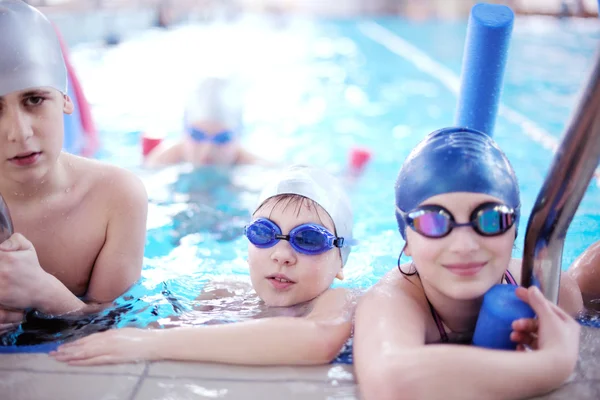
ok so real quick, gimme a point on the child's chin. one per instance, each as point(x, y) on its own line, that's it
point(279, 302)
point(469, 291)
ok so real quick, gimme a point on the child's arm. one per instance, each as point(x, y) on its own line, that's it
point(391, 357)
point(117, 266)
point(315, 339)
point(119, 263)
point(245, 157)
point(585, 271)
point(165, 154)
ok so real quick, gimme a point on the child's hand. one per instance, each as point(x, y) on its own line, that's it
point(556, 333)
point(110, 347)
point(10, 319)
point(11, 316)
point(525, 333)
point(22, 279)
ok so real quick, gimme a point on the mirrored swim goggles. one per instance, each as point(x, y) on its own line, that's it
point(310, 239)
point(219, 139)
point(432, 221)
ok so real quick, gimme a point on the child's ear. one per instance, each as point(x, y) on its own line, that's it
point(68, 107)
point(340, 275)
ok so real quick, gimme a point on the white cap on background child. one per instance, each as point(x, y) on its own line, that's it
point(215, 100)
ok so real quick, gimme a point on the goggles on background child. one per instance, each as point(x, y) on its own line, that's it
point(310, 239)
point(433, 221)
point(220, 138)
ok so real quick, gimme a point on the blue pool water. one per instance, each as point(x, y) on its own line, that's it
point(313, 90)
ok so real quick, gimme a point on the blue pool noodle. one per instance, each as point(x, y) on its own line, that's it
point(484, 59)
point(500, 308)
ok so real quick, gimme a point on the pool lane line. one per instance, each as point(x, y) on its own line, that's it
point(451, 81)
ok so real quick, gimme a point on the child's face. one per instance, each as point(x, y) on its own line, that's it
point(207, 152)
point(304, 276)
point(31, 132)
point(462, 265)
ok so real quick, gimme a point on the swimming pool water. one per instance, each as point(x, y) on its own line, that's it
point(313, 90)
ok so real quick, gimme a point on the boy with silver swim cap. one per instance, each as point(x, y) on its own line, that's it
point(298, 244)
point(80, 224)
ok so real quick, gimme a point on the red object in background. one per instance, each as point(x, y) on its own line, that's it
point(359, 157)
point(85, 113)
point(149, 143)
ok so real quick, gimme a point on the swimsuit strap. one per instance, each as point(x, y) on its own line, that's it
point(438, 321)
point(509, 278)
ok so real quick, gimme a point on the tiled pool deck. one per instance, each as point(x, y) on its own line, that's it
point(39, 377)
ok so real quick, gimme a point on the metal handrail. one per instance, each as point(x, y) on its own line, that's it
point(570, 174)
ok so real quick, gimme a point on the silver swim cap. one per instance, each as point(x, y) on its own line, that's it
point(30, 53)
point(214, 100)
point(322, 188)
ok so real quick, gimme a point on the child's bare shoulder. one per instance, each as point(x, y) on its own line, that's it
point(334, 303)
point(106, 181)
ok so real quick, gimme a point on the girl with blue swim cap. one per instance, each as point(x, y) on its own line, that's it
point(212, 125)
point(457, 207)
point(298, 242)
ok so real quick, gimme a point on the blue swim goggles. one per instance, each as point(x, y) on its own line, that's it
point(310, 239)
point(220, 138)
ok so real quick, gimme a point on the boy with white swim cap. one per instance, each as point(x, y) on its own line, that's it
point(80, 224)
point(212, 126)
point(299, 241)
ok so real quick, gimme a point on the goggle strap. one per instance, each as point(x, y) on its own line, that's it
point(338, 242)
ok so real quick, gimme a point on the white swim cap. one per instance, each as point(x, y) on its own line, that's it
point(214, 100)
point(322, 188)
point(30, 53)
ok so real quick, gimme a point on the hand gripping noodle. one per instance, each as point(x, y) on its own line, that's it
point(455, 160)
point(322, 188)
point(30, 54)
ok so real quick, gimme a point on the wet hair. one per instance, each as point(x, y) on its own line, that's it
point(289, 199)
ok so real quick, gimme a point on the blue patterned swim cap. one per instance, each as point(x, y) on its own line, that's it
point(455, 160)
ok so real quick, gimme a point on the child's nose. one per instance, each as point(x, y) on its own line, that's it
point(283, 254)
point(464, 239)
point(18, 126)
